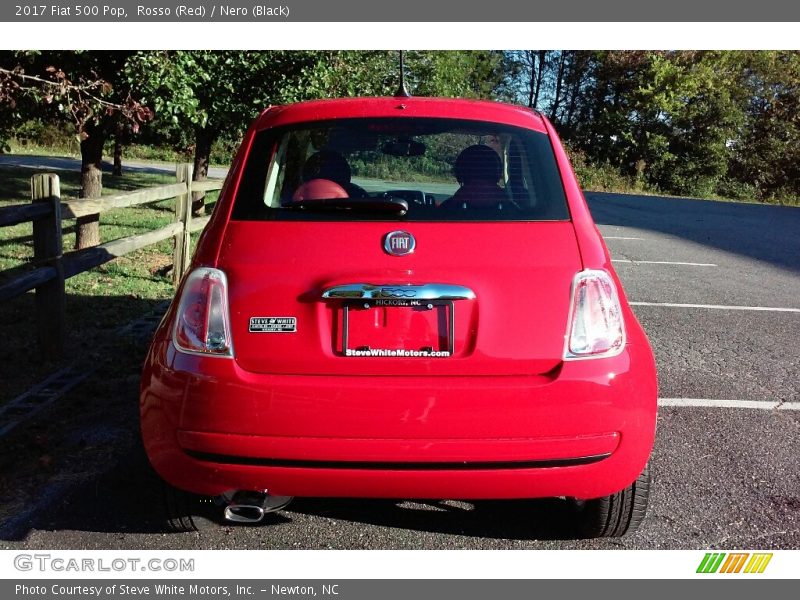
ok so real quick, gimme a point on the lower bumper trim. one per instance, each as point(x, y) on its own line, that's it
point(396, 466)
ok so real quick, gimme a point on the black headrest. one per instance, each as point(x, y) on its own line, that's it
point(327, 164)
point(478, 164)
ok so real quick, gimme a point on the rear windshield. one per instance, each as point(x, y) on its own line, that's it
point(409, 169)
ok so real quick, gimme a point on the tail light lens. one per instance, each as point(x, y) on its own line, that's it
point(596, 328)
point(203, 322)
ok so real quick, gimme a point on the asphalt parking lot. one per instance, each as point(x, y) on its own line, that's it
point(717, 288)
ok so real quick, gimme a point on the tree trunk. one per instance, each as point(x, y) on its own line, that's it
point(118, 133)
point(204, 138)
point(576, 76)
point(87, 232)
point(559, 85)
point(539, 77)
point(530, 60)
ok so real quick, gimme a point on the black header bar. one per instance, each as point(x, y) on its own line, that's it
point(144, 11)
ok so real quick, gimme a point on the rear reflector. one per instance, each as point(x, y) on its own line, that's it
point(202, 324)
point(596, 328)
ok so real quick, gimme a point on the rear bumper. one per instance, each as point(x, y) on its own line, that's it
point(585, 431)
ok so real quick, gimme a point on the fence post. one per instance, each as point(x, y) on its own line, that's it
point(183, 215)
point(47, 249)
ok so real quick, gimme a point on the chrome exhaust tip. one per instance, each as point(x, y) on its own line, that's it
point(245, 506)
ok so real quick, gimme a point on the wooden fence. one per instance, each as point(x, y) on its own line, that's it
point(52, 267)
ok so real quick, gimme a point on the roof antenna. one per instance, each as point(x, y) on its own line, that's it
point(402, 91)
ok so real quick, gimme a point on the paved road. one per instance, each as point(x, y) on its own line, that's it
point(726, 476)
point(63, 163)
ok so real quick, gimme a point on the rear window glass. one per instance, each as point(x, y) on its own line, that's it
point(409, 169)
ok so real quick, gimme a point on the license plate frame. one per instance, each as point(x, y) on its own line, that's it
point(449, 306)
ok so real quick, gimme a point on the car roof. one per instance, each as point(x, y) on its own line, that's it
point(450, 108)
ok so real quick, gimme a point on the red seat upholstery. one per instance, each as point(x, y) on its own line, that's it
point(319, 189)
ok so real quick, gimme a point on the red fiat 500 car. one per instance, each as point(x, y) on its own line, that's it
point(401, 298)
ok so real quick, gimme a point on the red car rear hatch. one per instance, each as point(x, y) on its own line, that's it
point(477, 298)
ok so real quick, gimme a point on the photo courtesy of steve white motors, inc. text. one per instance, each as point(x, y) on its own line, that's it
point(168, 589)
point(191, 12)
point(125, 589)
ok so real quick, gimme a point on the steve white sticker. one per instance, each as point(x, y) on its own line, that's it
point(273, 324)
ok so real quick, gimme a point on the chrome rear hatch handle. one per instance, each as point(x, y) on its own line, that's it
point(427, 291)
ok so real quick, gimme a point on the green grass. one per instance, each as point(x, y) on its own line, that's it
point(99, 301)
point(16, 244)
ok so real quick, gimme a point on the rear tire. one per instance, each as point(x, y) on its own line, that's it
point(184, 511)
point(617, 514)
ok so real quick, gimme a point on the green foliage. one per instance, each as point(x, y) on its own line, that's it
point(687, 123)
point(435, 165)
point(766, 154)
point(604, 177)
point(349, 73)
point(345, 73)
point(220, 92)
point(38, 135)
point(214, 90)
point(737, 190)
point(464, 74)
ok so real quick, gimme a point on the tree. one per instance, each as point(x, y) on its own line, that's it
point(346, 73)
point(526, 76)
point(214, 92)
point(766, 154)
point(82, 88)
point(463, 74)
point(663, 118)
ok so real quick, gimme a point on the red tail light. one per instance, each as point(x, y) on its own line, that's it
point(596, 327)
point(202, 325)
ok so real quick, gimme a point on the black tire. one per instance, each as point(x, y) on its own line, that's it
point(617, 514)
point(184, 511)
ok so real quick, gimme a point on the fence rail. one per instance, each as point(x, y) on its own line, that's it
point(13, 215)
point(73, 209)
point(53, 268)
